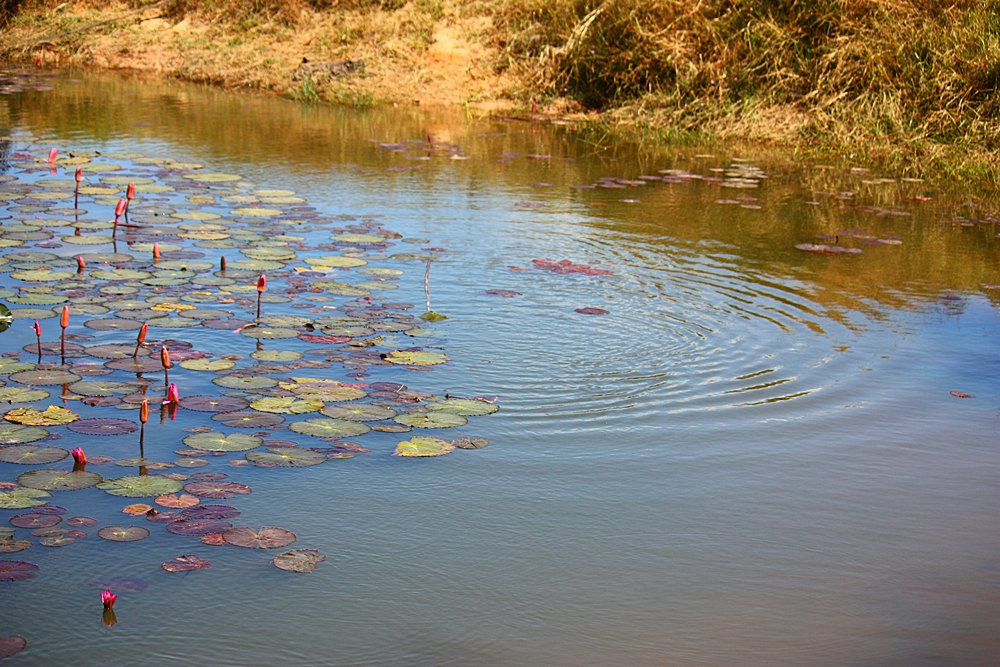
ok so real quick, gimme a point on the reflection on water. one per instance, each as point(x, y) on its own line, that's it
point(753, 458)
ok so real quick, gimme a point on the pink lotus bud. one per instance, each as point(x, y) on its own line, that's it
point(79, 456)
point(141, 336)
point(120, 207)
point(261, 283)
point(52, 155)
point(108, 599)
point(173, 396)
point(79, 174)
point(64, 318)
point(130, 191)
point(165, 357)
point(156, 251)
point(37, 328)
point(80, 264)
point(144, 411)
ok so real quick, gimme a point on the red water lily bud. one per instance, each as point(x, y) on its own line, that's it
point(261, 283)
point(144, 411)
point(173, 396)
point(130, 191)
point(79, 456)
point(108, 599)
point(141, 336)
point(52, 155)
point(64, 318)
point(120, 207)
point(222, 263)
point(79, 174)
point(156, 251)
point(165, 357)
point(80, 264)
point(37, 328)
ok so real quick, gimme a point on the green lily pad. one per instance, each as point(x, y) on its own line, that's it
point(286, 457)
point(298, 560)
point(16, 434)
point(21, 498)
point(359, 412)
point(269, 355)
point(214, 441)
point(287, 405)
point(59, 480)
point(251, 383)
point(32, 454)
point(139, 486)
point(123, 533)
point(323, 427)
point(44, 377)
point(415, 357)
point(53, 415)
point(269, 333)
point(469, 407)
point(431, 420)
point(207, 364)
point(420, 445)
point(21, 395)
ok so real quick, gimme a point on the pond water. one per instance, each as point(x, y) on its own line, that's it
point(712, 447)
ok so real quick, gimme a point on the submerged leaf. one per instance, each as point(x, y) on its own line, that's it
point(298, 560)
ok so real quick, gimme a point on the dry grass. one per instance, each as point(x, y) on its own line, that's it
point(911, 84)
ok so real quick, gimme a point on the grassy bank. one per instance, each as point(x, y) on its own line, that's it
point(910, 85)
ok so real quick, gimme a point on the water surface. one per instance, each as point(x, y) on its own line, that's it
point(753, 458)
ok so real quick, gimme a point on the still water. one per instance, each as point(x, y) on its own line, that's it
point(753, 457)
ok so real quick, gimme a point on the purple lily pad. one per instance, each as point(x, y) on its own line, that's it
point(16, 570)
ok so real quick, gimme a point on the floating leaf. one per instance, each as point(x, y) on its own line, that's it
point(177, 501)
point(298, 560)
point(21, 395)
point(136, 509)
point(434, 419)
point(16, 570)
point(201, 403)
point(138, 486)
point(32, 454)
point(59, 480)
point(103, 426)
point(591, 311)
point(470, 443)
point(323, 390)
point(185, 564)
point(420, 445)
point(12, 645)
point(267, 537)
point(248, 419)
point(216, 489)
point(51, 416)
point(362, 412)
point(35, 520)
point(22, 498)
point(287, 405)
point(214, 441)
point(197, 527)
point(11, 546)
point(123, 534)
point(323, 427)
point(467, 407)
point(207, 364)
point(15, 434)
point(203, 512)
point(415, 357)
point(44, 377)
point(290, 457)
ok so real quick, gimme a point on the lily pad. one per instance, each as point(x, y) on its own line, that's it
point(468, 407)
point(53, 415)
point(139, 486)
point(360, 412)
point(16, 570)
point(213, 441)
point(185, 563)
point(420, 445)
point(197, 527)
point(103, 426)
point(267, 537)
point(287, 405)
point(16, 434)
point(324, 427)
point(21, 395)
point(59, 480)
point(35, 520)
point(32, 454)
point(248, 419)
point(286, 457)
point(176, 501)
point(216, 489)
point(13, 644)
point(200, 403)
point(44, 377)
point(298, 560)
point(431, 420)
point(123, 534)
point(22, 498)
point(415, 357)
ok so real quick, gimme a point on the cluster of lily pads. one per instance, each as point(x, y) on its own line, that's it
point(128, 311)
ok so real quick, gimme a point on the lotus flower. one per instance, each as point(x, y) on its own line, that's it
point(79, 456)
point(108, 598)
point(173, 396)
point(37, 328)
